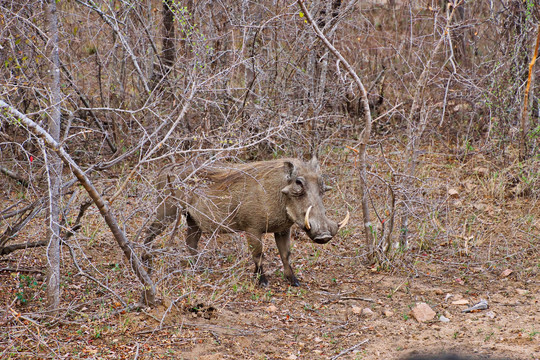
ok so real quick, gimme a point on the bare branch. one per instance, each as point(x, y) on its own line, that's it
point(365, 133)
point(103, 207)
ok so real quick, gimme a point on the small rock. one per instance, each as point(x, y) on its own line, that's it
point(271, 308)
point(367, 312)
point(356, 310)
point(490, 314)
point(422, 312)
point(522, 291)
point(292, 357)
point(444, 319)
point(460, 302)
point(388, 313)
point(317, 339)
point(447, 314)
point(438, 291)
point(506, 273)
point(482, 305)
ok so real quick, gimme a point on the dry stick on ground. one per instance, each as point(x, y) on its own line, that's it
point(525, 113)
point(365, 133)
point(352, 348)
point(103, 207)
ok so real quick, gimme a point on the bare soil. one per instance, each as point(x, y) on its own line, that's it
point(481, 243)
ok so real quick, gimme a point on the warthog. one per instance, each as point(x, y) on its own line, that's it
point(257, 198)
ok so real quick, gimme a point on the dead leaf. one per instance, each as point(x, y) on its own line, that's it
point(469, 186)
point(480, 206)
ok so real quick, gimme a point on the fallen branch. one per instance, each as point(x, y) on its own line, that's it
point(11, 248)
point(13, 229)
point(22, 270)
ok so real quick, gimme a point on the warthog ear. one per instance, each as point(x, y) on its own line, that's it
point(314, 163)
point(290, 170)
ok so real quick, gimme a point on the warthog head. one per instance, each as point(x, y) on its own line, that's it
point(303, 201)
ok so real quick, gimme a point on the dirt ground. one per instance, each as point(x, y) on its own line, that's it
point(479, 245)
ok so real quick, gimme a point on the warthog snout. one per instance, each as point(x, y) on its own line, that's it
point(323, 233)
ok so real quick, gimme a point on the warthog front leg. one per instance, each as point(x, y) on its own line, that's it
point(166, 214)
point(193, 235)
point(283, 242)
point(256, 246)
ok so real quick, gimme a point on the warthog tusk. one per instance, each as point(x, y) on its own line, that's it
point(306, 219)
point(344, 222)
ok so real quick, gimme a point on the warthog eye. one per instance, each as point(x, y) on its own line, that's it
point(300, 181)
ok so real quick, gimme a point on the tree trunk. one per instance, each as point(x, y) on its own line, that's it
point(169, 49)
point(54, 168)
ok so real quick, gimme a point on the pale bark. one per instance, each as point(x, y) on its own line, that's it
point(54, 168)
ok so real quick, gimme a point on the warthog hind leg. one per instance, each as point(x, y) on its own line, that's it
point(283, 242)
point(256, 247)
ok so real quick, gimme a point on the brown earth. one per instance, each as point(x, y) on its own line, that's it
point(482, 242)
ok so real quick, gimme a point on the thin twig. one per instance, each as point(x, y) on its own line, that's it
point(352, 348)
point(83, 273)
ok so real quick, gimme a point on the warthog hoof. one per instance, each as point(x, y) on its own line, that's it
point(263, 281)
point(294, 282)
